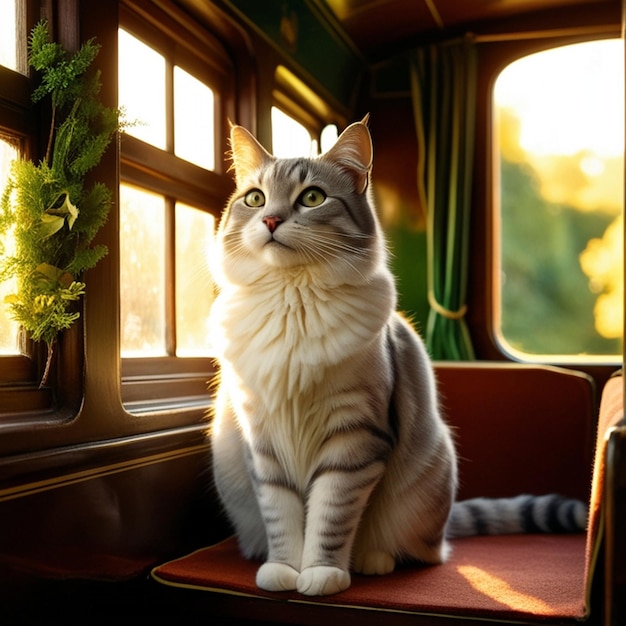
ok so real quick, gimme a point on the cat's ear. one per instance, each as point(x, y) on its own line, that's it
point(247, 153)
point(353, 153)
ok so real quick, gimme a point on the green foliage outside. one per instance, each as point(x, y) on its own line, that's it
point(547, 305)
point(46, 208)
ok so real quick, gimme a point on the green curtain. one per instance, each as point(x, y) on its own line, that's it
point(443, 84)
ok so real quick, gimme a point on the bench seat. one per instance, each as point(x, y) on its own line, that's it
point(505, 578)
point(520, 429)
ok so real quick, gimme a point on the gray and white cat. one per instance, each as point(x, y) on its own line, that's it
point(329, 450)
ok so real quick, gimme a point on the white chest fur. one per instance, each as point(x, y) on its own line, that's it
point(282, 334)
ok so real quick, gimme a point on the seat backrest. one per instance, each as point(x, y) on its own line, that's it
point(520, 428)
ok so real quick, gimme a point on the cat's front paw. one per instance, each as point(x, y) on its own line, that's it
point(277, 577)
point(375, 562)
point(323, 580)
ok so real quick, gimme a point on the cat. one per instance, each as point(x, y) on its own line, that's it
point(330, 454)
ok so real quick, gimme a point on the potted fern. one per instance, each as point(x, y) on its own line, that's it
point(46, 209)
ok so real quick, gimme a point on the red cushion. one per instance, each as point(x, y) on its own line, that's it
point(506, 577)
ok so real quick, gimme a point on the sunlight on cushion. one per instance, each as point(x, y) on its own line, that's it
point(501, 591)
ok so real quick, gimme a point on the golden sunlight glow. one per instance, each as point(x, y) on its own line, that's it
point(602, 260)
point(502, 592)
point(8, 30)
point(194, 232)
point(141, 73)
point(289, 137)
point(8, 328)
point(562, 111)
point(591, 77)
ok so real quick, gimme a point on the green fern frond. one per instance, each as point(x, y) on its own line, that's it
point(45, 208)
point(86, 259)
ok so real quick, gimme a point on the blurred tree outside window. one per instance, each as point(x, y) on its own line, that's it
point(559, 150)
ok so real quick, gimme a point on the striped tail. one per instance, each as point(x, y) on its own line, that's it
point(522, 514)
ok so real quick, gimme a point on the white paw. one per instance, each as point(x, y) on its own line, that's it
point(375, 562)
point(323, 580)
point(276, 577)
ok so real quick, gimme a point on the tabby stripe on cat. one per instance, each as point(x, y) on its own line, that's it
point(521, 514)
point(369, 429)
point(357, 217)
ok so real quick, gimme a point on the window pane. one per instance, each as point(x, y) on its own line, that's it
point(329, 137)
point(142, 272)
point(560, 128)
point(289, 137)
point(142, 89)
point(8, 32)
point(194, 124)
point(194, 289)
point(8, 328)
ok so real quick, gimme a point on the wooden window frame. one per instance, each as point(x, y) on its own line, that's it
point(495, 55)
point(162, 383)
point(85, 398)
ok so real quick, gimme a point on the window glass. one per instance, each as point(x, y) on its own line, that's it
point(194, 120)
point(142, 89)
point(289, 137)
point(8, 328)
point(560, 129)
point(142, 272)
point(8, 31)
point(166, 290)
point(329, 137)
point(194, 289)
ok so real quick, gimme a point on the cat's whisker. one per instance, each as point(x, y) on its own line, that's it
point(343, 246)
point(340, 237)
point(327, 255)
point(340, 251)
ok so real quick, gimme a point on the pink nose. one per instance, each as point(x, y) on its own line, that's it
point(272, 222)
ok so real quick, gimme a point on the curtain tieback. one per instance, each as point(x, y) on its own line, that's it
point(443, 311)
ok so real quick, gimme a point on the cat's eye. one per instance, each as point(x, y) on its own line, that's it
point(255, 198)
point(312, 197)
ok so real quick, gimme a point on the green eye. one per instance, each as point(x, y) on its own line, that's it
point(255, 198)
point(312, 197)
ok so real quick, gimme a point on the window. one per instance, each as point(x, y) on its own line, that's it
point(142, 75)
point(560, 129)
point(8, 34)
point(8, 328)
point(147, 327)
point(292, 139)
point(142, 268)
point(9, 58)
point(193, 120)
point(173, 188)
point(289, 137)
point(13, 34)
point(300, 118)
point(17, 357)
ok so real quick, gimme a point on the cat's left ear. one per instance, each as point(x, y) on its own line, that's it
point(353, 153)
point(247, 153)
